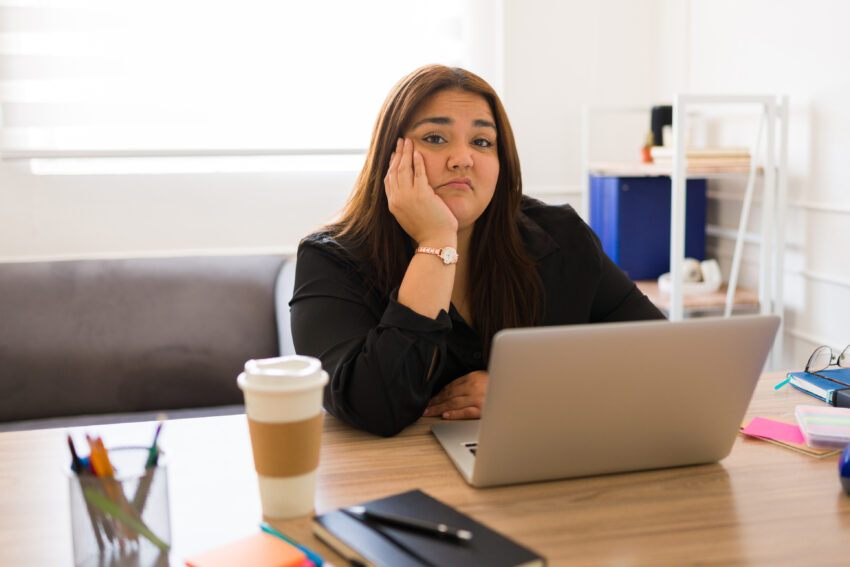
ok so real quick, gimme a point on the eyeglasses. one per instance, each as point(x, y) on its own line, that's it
point(823, 358)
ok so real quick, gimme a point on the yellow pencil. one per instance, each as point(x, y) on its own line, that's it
point(104, 470)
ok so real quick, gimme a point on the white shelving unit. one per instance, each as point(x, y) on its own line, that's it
point(773, 112)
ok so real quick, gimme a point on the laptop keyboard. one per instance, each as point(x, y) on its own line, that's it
point(472, 446)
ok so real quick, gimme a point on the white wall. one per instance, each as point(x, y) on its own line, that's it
point(561, 55)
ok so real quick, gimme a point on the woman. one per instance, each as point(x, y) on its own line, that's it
point(435, 251)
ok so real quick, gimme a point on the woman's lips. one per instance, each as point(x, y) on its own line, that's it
point(457, 183)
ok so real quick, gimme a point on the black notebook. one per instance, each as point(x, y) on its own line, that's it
point(364, 541)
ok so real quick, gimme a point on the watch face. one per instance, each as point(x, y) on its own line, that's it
point(449, 255)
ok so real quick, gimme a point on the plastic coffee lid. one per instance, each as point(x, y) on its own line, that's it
point(295, 365)
point(285, 373)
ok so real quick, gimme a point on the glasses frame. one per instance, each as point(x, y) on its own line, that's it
point(833, 361)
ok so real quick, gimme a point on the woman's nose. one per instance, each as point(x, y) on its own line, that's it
point(460, 157)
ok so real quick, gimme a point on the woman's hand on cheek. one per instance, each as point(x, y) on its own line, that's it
point(461, 399)
point(412, 201)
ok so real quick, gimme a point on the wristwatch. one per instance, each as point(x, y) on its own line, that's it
point(447, 254)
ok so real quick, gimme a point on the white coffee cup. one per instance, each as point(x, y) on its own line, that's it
point(283, 401)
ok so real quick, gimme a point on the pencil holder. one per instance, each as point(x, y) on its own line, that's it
point(123, 520)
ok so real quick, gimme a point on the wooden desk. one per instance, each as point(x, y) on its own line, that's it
point(762, 505)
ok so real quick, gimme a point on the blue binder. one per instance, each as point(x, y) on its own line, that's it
point(631, 216)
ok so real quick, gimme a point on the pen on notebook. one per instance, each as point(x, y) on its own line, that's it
point(432, 528)
point(311, 555)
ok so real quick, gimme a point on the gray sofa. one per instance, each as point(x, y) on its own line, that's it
point(106, 337)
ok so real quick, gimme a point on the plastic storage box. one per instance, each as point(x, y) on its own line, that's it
point(631, 216)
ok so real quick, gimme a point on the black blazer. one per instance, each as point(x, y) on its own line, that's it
point(378, 352)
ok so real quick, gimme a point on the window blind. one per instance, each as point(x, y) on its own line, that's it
point(192, 77)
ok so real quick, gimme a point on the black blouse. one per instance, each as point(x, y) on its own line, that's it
point(378, 352)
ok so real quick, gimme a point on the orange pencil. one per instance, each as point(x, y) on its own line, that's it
point(97, 469)
point(103, 469)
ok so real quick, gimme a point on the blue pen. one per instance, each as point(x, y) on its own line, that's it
point(311, 555)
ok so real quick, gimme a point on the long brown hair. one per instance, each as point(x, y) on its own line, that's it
point(511, 290)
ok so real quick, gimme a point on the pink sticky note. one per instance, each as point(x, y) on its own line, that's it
point(777, 430)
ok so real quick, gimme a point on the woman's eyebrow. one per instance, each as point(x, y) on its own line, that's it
point(445, 120)
point(433, 120)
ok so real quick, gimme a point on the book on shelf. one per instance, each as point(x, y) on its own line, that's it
point(362, 540)
point(708, 161)
point(666, 152)
point(831, 386)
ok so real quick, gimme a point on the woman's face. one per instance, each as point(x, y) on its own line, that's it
point(456, 134)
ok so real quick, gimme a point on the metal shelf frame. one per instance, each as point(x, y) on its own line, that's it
point(773, 110)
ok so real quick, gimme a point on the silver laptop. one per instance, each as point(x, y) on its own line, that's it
point(581, 400)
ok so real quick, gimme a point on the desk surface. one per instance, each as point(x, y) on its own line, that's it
point(762, 505)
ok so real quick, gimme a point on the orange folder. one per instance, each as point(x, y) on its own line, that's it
point(260, 550)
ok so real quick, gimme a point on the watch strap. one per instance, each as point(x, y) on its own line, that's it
point(447, 254)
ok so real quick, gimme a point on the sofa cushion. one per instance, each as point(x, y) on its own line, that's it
point(105, 336)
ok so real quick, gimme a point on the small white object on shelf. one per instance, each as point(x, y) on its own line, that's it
point(699, 277)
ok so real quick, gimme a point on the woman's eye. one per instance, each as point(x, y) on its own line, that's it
point(483, 143)
point(434, 139)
